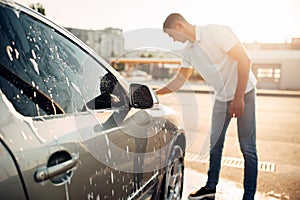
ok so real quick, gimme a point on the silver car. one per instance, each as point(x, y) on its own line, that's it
point(71, 127)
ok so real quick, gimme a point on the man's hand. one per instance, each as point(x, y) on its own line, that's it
point(177, 82)
point(237, 107)
point(162, 91)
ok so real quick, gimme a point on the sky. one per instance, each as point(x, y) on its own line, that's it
point(267, 21)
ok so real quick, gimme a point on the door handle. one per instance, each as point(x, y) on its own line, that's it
point(44, 173)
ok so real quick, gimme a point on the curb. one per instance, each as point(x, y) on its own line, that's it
point(259, 92)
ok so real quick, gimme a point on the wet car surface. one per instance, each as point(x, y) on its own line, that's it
point(71, 127)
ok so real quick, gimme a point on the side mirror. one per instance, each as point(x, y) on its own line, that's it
point(142, 96)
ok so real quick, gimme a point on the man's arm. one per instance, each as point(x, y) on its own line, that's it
point(239, 53)
point(176, 83)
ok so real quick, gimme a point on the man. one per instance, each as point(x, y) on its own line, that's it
point(223, 62)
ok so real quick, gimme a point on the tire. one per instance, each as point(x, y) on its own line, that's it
point(172, 185)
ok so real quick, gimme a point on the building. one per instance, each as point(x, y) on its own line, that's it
point(276, 66)
point(107, 43)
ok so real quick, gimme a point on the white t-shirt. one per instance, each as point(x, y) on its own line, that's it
point(208, 54)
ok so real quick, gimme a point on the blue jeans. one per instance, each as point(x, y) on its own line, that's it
point(247, 139)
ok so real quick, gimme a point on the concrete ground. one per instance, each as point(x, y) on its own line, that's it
point(226, 189)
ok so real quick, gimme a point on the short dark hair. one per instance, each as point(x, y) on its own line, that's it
point(171, 19)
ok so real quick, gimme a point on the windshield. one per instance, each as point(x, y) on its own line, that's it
point(55, 67)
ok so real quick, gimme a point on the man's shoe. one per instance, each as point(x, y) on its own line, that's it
point(204, 192)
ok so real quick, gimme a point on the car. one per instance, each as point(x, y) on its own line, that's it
point(72, 127)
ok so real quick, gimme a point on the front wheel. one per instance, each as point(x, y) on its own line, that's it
point(173, 180)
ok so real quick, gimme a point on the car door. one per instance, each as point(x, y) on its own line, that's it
point(60, 157)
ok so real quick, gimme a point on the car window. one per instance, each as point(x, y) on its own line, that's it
point(59, 75)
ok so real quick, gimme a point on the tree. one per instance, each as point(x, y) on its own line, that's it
point(38, 7)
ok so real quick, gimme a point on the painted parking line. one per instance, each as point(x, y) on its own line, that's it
point(232, 162)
